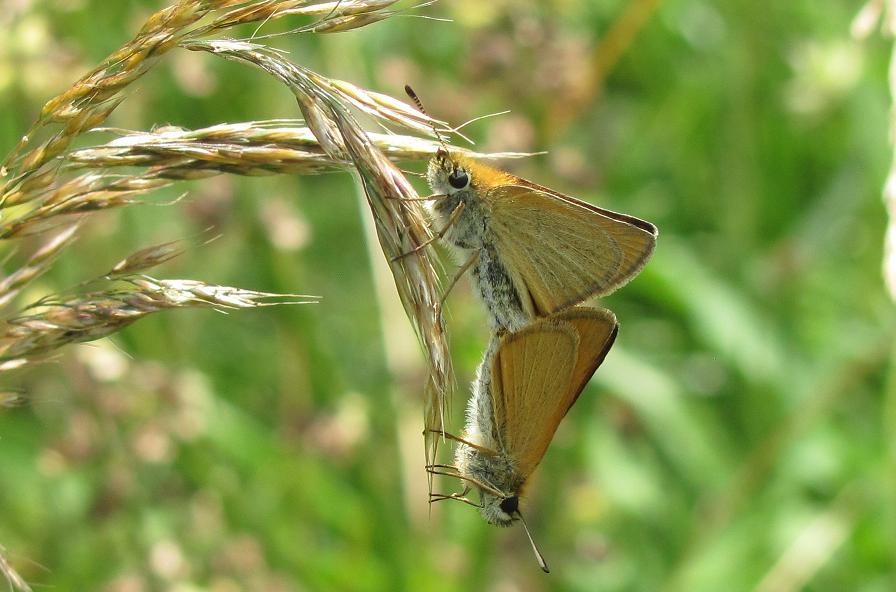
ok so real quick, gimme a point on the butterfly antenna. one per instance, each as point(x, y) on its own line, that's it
point(419, 103)
point(541, 562)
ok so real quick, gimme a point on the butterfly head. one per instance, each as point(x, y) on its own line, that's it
point(450, 173)
point(447, 174)
point(499, 510)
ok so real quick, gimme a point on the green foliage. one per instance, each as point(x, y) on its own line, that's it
point(737, 438)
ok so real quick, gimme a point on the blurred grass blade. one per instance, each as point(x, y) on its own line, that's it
point(728, 323)
point(14, 580)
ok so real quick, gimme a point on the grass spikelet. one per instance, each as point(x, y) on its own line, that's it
point(146, 258)
point(87, 193)
point(37, 264)
point(62, 320)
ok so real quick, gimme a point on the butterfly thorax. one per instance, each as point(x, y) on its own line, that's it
point(498, 291)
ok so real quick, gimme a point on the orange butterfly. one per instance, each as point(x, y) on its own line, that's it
point(525, 385)
point(533, 251)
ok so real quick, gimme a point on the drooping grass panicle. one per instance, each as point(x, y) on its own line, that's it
point(401, 228)
point(86, 193)
point(90, 101)
point(64, 319)
point(251, 148)
point(400, 221)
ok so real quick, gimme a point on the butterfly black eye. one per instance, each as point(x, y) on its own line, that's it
point(510, 505)
point(458, 179)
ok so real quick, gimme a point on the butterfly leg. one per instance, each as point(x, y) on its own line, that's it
point(433, 197)
point(461, 497)
point(454, 495)
point(460, 272)
point(451, 220)
point(441, 466)
point(448, 436)
point(480, 484)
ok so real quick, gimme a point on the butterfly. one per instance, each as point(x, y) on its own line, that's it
point(533, 251)
point(525, 385)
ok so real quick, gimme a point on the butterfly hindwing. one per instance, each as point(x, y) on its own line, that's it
point(531, 373)
point(596, 329)
point(539, 372)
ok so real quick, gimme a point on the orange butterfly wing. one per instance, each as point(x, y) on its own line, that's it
point(539, 372)
point(565, 250)
point(530, 375)
point(597, 329)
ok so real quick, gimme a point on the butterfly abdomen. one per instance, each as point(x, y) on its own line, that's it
point(508, 308)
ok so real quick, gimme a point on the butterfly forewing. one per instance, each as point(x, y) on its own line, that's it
point(565, 250)
point(533, 369)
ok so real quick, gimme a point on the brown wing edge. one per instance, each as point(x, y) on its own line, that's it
point(636, 222)
point(595, 342)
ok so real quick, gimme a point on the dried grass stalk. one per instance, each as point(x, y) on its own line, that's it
point(401, 228)
point(169, 155)
point(399, 220)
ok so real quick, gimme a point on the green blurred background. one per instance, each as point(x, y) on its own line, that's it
point(739, 436)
